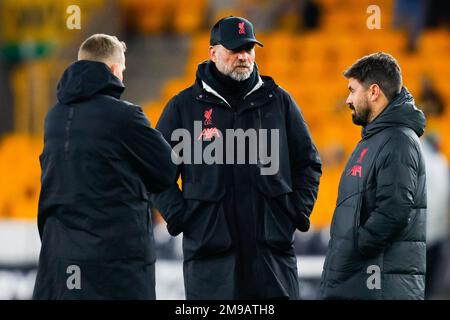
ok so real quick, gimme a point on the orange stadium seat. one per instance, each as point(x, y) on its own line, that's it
point(308, 65)
point(189, 15)
point(19, 176)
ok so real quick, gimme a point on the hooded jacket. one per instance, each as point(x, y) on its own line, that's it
point(237, 223)
point(377, 246)
point(100, 159)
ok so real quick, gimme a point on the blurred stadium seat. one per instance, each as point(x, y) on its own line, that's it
point(19, 176)
point(309, 65)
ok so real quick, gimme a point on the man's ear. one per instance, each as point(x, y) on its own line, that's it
point(114, 69)
point(212, 53)
point(374, 92)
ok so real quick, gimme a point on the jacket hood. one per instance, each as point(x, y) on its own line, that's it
point(84, 79)
point(400, 112)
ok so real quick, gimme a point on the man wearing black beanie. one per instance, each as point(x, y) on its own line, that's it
point(238, 215)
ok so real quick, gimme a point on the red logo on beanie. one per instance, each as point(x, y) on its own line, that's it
point(241, 26)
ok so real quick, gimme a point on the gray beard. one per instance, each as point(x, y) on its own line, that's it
point(234, 73)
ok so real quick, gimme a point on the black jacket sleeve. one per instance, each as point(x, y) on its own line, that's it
point(396, 177)
point(148, 152)
point(306, 166)
point(170, 203)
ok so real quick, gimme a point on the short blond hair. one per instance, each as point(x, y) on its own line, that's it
point(102, 47)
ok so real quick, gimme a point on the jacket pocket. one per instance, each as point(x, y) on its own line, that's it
point(206, 231)
point(346, 216)
point(276, 210)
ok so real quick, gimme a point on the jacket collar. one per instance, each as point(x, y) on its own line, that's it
point(262, 93)
point(209, 89)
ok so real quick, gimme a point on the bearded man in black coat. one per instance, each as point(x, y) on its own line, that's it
point(377, 248)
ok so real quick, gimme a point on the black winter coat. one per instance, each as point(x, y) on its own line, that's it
point(377, 247)
point(100, 160)
point(237, 224)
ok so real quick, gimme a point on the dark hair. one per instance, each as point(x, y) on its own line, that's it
point(378, 68)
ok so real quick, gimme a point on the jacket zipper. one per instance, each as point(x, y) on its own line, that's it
point(68, 127)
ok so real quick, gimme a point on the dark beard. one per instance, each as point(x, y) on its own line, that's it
point(361, 119)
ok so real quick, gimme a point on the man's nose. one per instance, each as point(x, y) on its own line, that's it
point(348, 101)
point(242, 55)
